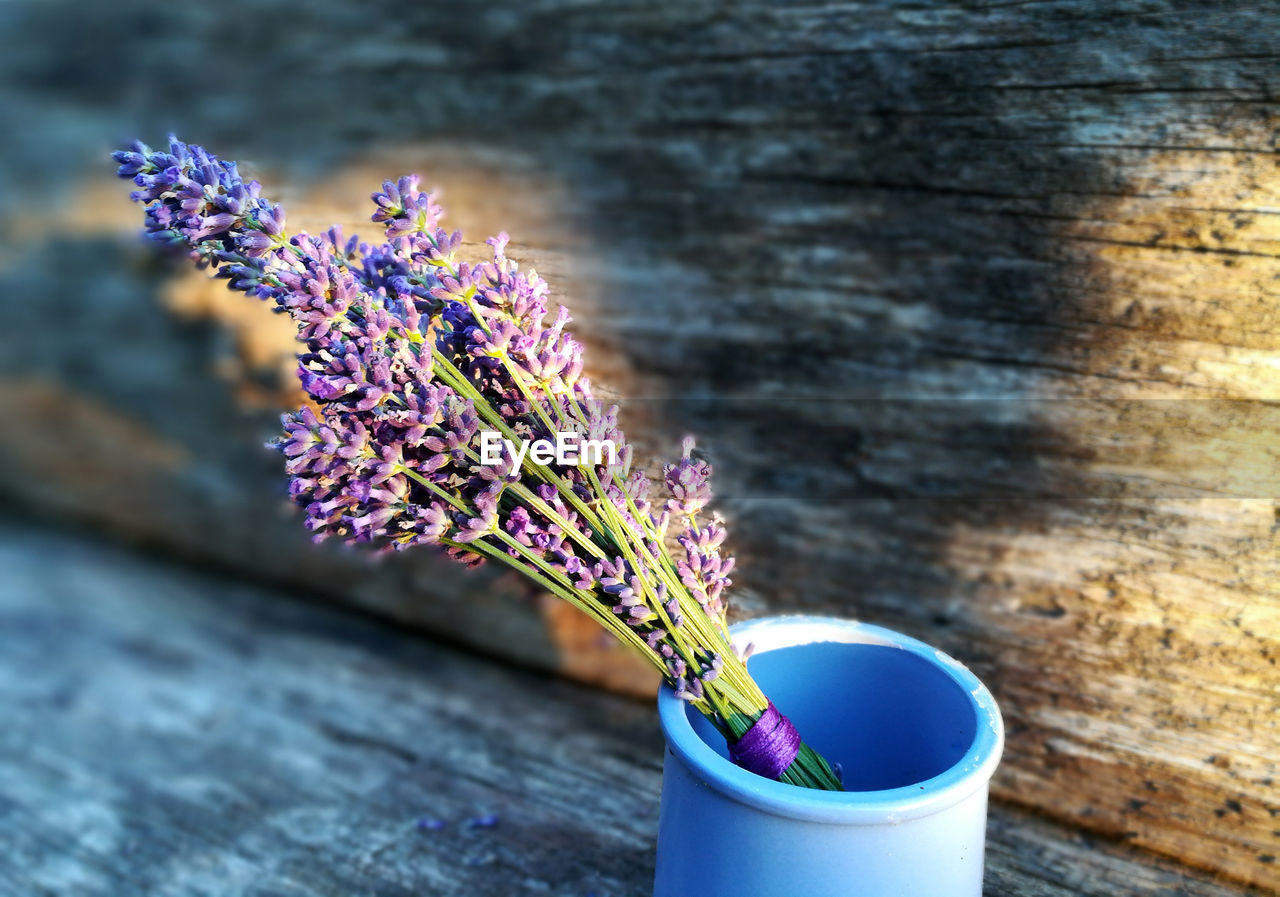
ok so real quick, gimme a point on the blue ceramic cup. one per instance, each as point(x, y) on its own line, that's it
point(916, 734)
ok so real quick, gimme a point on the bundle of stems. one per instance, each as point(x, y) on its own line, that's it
point(412, 360)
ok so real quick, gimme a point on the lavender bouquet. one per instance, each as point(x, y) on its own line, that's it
point(429, 379)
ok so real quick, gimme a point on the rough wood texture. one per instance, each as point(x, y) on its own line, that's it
point(973, 306)
point(171, 735)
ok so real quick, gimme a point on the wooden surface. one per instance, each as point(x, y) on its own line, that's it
point(168, 733)
point(973, 306)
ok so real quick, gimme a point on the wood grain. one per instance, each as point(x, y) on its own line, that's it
point(973, 306)
point(173, 734)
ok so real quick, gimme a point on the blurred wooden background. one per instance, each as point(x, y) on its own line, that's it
point(973, 307)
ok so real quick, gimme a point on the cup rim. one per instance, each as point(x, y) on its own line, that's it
point(968, 774)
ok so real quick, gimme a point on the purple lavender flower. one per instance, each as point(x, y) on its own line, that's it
point(407, 354)
point(405, 209)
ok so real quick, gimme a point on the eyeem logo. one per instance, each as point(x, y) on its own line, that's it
point(568, 449)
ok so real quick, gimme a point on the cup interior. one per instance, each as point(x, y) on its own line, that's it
point(888, 716)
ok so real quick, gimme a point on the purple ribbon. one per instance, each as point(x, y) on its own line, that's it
point(768, 747)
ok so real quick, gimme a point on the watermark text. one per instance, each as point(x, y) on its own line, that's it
point(568, 449)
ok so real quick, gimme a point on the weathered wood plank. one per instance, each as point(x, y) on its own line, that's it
point(169, 734)
point(973, 305)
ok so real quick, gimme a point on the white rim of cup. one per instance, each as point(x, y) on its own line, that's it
point(967, 775)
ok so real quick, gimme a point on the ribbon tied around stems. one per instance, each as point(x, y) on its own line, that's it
point(768, 747)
